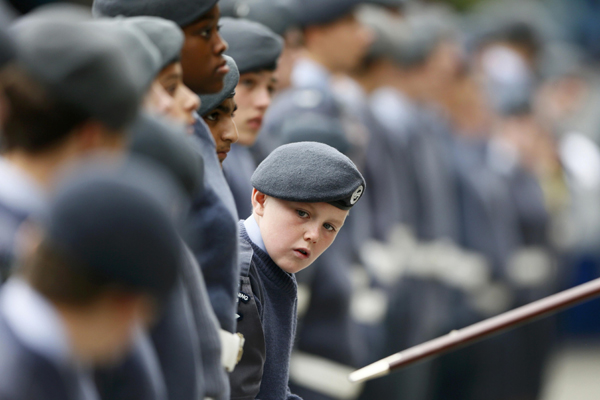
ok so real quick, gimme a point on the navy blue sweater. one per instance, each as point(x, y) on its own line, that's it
point(278, 322)
point(213, 236)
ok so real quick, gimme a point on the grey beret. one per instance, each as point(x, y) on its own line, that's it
point(310, 172)
point(315, 127)
point(277, 15)
point(319, 12)
point(115, 230)
point(166, 36)
point(168, 146)
point(82, 66)
point(144, 55)
point(253, 46)
point(209, 102)
point(182, 12)
point(407, 42)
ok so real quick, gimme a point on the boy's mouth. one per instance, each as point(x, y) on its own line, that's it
point(302, 253)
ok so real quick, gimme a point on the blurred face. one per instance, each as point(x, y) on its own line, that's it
point(296, 234)
point(222, 126)
point(112, 322)
point(202, 55)
point(253, 96)
point(157, 100)
point(339, 45)
point(185, 102)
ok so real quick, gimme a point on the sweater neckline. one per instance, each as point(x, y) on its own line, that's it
point(267, 266)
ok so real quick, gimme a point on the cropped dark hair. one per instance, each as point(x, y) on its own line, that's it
point(35, 120)
point(60, 278)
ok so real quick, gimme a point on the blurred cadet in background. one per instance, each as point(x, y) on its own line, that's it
point(56, 115)
point(256, 50)
point(116, 250)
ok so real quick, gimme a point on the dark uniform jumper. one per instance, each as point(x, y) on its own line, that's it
point(267, 306)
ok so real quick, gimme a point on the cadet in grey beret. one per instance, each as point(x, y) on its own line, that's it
point(87, 69)
point(310, 172)
point(210, 101)
point(278, 15)
point(182, 12)
point(201, 58)
point(253, 46)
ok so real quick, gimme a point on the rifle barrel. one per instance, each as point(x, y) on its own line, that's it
point(480, 330)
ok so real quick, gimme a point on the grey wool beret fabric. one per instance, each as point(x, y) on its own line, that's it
point(278, 15)
point(116, 230)
point(165, 35)
point(182, 12)
point(140, 50)
point(320, 12)
point(211, 101)
point(310, 172)
point(253, 46)
point(168, 146)
point(315, 127)
point(78, 64)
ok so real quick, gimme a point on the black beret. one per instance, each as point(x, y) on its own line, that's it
point(253, 46)
point(79, 64)
point(7, 48)
point(278, 15)
point(182, 12)
point(168, 146)
point(115, 229)
point(208, 102)
point(320, 12)
point(310, 172)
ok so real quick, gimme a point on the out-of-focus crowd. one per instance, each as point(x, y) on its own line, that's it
point(129, 137)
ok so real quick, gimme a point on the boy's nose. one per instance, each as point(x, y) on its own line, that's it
point(312, 234)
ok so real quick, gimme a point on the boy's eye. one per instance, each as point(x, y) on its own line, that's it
point(172, 89)
point(329, 227)
point(302, 214)
point(213, 116)
point(249, 83)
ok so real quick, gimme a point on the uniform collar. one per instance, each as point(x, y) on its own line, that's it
point(253, 231)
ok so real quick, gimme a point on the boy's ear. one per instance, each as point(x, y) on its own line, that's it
point(258, 202)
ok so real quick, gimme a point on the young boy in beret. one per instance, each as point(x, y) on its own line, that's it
point(302, 195)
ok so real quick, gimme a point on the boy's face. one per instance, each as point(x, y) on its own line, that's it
point(223, 129)
point(296, 234)
point(202, 55)
point(253, 96)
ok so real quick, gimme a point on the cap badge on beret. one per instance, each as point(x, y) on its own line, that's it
point(356, 195)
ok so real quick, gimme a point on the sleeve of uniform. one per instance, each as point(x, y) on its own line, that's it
point(215, 378)
point(290, 396)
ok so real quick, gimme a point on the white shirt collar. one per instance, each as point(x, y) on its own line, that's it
point(308, 73)
point(253, 231)
point(34, 321)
